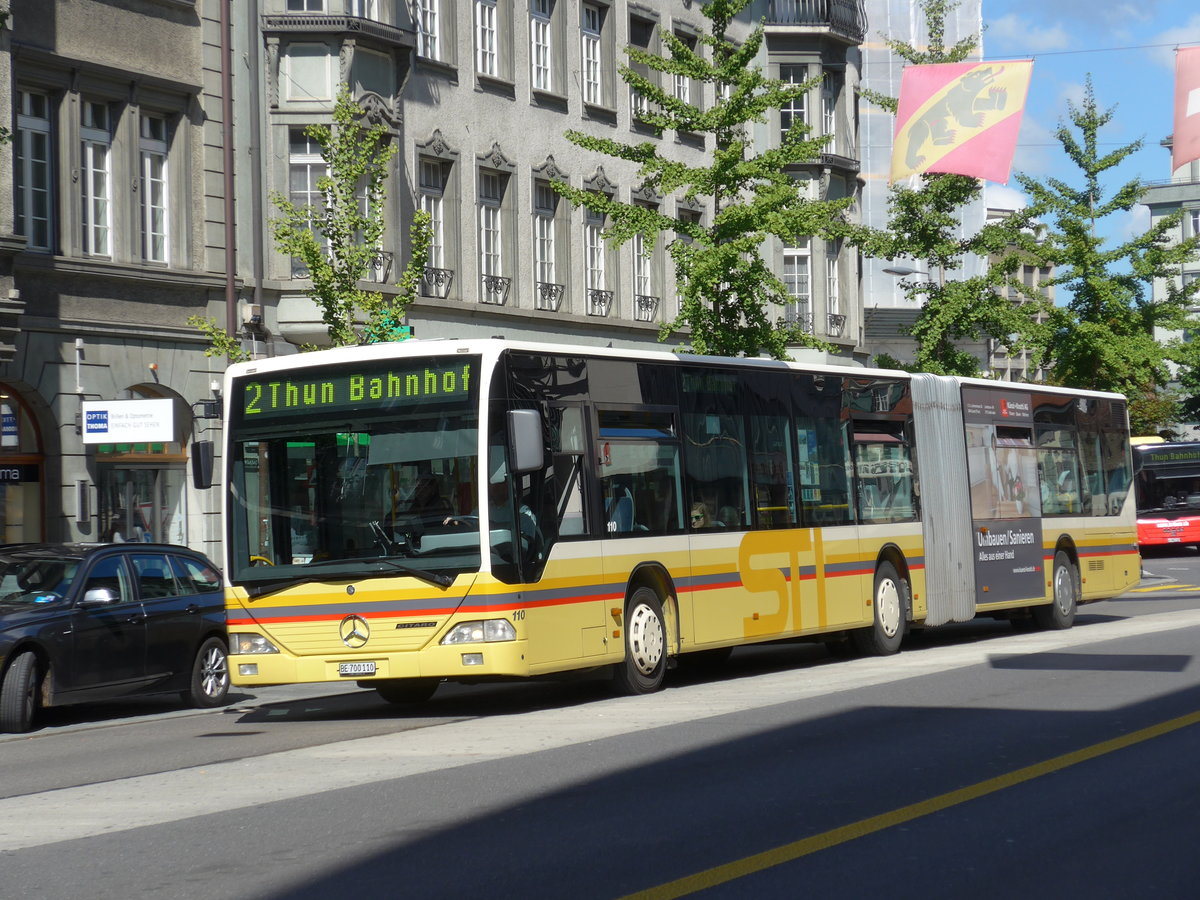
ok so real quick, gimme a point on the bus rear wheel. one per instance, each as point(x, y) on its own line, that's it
point(1060, 613)
point(645, 664)
point(891, 599)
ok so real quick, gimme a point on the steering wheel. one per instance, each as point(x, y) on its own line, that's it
point(260, 561)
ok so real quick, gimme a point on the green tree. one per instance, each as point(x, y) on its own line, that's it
point(338, 241)
point(730, 296)
point(924, 223)
point(1104, 336)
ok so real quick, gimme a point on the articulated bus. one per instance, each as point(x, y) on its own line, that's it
point(1167, 493)
point(403, 514)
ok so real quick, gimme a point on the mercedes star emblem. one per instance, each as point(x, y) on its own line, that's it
point(354, 631)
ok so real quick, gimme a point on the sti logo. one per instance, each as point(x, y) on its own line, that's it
point(97, 421)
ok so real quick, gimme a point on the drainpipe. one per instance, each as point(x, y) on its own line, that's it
point(254, 45)
point(227, 160)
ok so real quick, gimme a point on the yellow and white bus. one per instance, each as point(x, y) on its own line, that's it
point(407, 513)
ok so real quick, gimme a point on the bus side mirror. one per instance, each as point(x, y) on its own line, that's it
point(525, 440)
point(202, 464)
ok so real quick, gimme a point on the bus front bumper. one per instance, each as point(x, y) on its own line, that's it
point(496, 658)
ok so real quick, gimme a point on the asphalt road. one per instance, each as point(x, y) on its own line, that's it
point(977, 761)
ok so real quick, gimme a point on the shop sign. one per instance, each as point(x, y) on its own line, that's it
point(132, 421)
point(8, 429)
point(18, 474)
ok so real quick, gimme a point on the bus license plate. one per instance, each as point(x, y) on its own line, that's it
point(356, 668)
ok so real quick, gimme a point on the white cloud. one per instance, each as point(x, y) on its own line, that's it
point(1186, 33)
point(1137, 221)
point(1001, 196)
point(1016, 33)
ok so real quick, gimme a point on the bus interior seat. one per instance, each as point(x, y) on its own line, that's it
point(620, 511)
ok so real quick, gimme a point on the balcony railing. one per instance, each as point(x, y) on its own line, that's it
point(495, 289)
point(547, 296)
point(801, 320)
point(836, 324)
point(599, 302)
point(436, 282)
point(846, 17)
point(644, 307)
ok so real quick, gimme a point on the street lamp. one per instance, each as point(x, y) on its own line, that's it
point(902, 271)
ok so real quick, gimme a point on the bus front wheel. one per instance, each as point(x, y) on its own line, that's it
point(645, 664)
point(404, 690)
point(1060, 613)
point(883, 636)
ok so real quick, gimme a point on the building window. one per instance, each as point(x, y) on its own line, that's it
point(545, 208)
point(690, 217)
point(485, 38)
point(305, 167)
point(306, 5)
point(152, 147)
point(1194, 219)
point(796, 280)
point(682, 86)
point(833, 282)
point(593, 85)
point(645, 261)
point(32, 151)
point(829, 98)
point(428, 20)
point(433, 191)
point(365, 9)
point(96, 178)
point(310, 73)
point(491, 237)
point(593, 242)
point(641, 35)
point(796, 109)
point(540, 45)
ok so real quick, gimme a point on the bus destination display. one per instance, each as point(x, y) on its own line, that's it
point(395, 387)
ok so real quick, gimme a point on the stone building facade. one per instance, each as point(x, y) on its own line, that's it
point(150, 135)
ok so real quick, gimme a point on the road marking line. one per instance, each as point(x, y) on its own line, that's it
point(71, 813)
point(760, 862)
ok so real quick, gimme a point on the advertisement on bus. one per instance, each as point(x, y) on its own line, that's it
point(1005, 498)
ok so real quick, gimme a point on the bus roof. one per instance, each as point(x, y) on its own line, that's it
point(491, 348)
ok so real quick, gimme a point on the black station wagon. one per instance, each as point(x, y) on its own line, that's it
point(82, 622)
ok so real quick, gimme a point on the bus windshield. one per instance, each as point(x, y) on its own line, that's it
point(379, 466)
point(1168, 479)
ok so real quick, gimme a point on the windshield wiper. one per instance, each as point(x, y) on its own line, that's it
point(423, 574)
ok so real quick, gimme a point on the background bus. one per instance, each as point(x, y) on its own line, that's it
point(1167, 492)
point(405, 513)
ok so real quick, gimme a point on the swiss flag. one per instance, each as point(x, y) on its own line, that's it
point(1185, 143)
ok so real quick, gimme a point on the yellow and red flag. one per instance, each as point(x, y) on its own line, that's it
point(961, 118)
point(1185, 142)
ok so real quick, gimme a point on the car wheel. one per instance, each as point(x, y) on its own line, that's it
point(210, 675)
point(1060, 612)
point(883, 637)
point(20, 693)
point(645, 664)
point(404, 690)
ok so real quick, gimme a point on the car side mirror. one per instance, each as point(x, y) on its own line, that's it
point(100, 597)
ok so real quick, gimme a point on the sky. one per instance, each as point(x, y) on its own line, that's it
point(1127, 47)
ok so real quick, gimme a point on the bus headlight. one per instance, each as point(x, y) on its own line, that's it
point(244, 644)
point(487, 631)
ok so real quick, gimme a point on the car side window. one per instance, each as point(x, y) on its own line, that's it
point(196, 577)
point(110, 573)
point(154, 576)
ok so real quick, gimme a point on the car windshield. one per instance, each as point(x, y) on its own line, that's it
point(35, 579)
